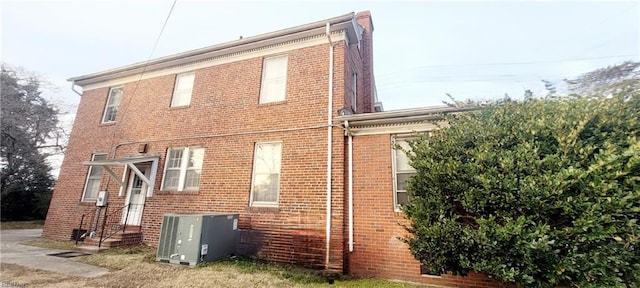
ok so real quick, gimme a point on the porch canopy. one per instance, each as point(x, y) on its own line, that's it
point(129, 163)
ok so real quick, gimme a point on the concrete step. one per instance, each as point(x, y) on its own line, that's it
point(120, 239)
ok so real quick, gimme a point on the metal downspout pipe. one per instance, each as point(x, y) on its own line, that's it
point(329, 151)
point(350, 148)
point(73, 88)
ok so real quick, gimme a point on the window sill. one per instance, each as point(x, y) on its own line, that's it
point(179, 107)
point(87, 202)
point(282, 102)
point(174, 192)
point(107, 123)
point(263, 209)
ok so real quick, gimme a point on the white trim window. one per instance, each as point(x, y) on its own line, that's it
point(265, 183)
point(354, 88)
point(111, 108)
point(402, 171)
point(94, 178)
point(183, 168)
point(183, 89)
point(274, 79)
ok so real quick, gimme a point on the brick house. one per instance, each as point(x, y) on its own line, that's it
point(283, 128)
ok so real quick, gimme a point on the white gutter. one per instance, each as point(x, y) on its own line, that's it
point(329, 150)
point(73, 88)
point(346, 125)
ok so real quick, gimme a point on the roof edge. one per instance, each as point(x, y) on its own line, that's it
point(171, 59)
point(402, 115)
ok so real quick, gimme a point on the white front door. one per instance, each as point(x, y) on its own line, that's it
point(136, 193)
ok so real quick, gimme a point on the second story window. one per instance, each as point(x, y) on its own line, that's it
point(183, 169)
point(354, 87)
point(402, 172)
point(183, 89)
point(274, 79)
point(111, 109)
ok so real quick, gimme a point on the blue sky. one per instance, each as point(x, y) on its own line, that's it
point(422, 50)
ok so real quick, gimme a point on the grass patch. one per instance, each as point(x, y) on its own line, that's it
point(370, 282)
point(50, 244)
point(140, 249)
point(288, 272)
point(11, 225)
point(130, 269)
point(299, 275)
point(120, 258)
point(136, 267)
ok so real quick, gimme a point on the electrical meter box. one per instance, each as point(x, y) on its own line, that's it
point(101, 200)
point(189, 239)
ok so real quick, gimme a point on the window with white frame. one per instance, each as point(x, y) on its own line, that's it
point(183, 89)
point(274, 79)
point(354, 87)
point(111, 109)
point(402, 172)
point(265, 184)
point(94, 177)
point(183, 168)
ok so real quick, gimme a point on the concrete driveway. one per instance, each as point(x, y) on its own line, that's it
point(11, 251)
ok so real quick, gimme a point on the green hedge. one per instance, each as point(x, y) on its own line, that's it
point(541, 192)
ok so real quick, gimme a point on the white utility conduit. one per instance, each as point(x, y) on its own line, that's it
point(346, 125)
point(329, 150)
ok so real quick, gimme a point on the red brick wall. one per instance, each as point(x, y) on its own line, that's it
point(378, 251)
point(366, 48)
point(223, 117)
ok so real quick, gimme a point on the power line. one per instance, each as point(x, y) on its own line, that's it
point(144, 69)
point(602, 21)
point(508, 63)
point(155, 45)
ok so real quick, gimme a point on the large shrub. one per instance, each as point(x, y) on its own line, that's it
point(541, 192)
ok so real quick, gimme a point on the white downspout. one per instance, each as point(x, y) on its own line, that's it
point(73, 88)
point(350, 148)
point(329, 151)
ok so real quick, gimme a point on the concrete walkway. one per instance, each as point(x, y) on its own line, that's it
point(35, 257)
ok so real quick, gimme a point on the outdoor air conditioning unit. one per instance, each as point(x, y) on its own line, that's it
point(189, 239)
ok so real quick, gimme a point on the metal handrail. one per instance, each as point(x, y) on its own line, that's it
point(108, 216)
point(83, 216)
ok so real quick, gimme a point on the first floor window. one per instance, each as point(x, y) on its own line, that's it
point(402, 172)
point(265, 183)
point(113, 102)
point(94, 177)
point(183, 168)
